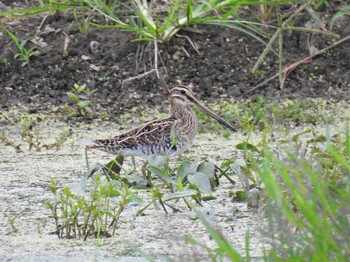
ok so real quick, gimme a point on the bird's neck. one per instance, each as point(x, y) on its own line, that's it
point(180, 111)
point(186, 124)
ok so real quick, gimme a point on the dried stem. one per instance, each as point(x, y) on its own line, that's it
point(302, 61)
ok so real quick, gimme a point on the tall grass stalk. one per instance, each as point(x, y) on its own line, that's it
point(311, 220)
point(224, 245)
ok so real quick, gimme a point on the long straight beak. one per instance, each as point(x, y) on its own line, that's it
point(213, 115)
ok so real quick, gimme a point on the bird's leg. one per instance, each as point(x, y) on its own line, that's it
point(144, 170)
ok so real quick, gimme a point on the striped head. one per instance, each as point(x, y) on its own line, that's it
point(182, 95)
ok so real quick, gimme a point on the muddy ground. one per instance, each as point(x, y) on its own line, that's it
point(220, 65)
point(220, 68)
point(25, 178)
point(23, 189)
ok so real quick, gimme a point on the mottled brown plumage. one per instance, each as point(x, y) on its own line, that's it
point(171, 135)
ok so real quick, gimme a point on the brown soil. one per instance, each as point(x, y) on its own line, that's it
point(220, 68)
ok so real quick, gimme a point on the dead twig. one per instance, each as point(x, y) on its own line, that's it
point(8, 118)
point(41, 25)
point(156, 57)
point(8, 142)
point(288, 69)
point(138, 76)
point(66, 43)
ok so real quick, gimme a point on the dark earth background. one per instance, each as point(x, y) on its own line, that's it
point(220, 67)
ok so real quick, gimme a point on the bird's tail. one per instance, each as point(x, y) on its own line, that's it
point(87, 143)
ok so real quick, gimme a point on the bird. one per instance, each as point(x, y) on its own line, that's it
point(167, 136)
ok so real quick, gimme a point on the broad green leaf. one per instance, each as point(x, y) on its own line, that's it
point(79, 88)
point(72, 96)
point(93, 170)
point(201, 180)
point(162, 173)
point(246, 147)
point(187, 167)
point(207, 168)
point(84, 104)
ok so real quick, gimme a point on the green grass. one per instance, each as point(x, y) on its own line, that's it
point(303, 179)
point(152, 23)
point(307, 203)
point(310, 202)
point(263, 113)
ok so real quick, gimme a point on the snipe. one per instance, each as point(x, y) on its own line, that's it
point(171, 135)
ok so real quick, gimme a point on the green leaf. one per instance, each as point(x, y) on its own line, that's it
point(207, 168)
point(180, 186)
point(347, 140)
point(189, 10)
point(246, 147)
point(227, 163)
point(161, 173)
point(109, 191)
point(173, 137)
point(13, 37)
point(22, 44)
point(66, 191)
point(79, 88)
point(13, 13)
point(201, 180)
point(84, 104)
point(93, 170)
point(296, 136)
point(187, 167)
point(344, 10)
point(72, 96)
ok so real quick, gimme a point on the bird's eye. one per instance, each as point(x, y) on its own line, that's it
point(183, 92)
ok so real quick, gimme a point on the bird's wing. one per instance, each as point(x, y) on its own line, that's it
point(151, 138)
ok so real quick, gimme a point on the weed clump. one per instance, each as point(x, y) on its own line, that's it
point(95, 214)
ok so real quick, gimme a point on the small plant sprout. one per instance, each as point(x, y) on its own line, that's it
point(79, 96)
point(11, 221)
point(24, 54)
point(344, 10)
point(34, 137)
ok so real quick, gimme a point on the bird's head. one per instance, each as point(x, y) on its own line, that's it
point(183, 96)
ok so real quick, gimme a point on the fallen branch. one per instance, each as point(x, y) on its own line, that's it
point(294, 65)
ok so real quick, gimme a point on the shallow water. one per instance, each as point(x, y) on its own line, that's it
point(23, 189)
